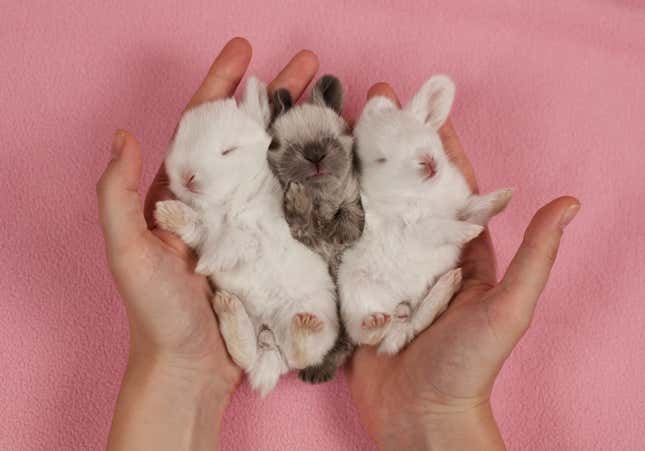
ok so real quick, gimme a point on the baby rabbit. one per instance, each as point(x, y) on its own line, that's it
point(275, 300)
point(420, 211)
point(312, 156)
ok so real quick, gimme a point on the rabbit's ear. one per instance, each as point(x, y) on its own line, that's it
point(281, 102)
point(328, 92)
point(255, 101)
point(433, 102)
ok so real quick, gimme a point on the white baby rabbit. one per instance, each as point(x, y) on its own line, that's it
point(274, 299)
point(419, 212)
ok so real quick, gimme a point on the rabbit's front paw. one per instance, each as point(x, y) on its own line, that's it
point(224, 302)
point(171, 216)
point(296, 200)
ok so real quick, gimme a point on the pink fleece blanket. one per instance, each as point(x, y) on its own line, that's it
point(551, 99)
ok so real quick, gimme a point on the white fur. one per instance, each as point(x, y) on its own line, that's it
point(415, 226)
point(235, 222)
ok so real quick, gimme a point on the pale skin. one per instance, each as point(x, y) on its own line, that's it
point(435, 394)
point(179, 378)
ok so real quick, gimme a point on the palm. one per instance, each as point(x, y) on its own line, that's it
point(454, 362)
point(176, 351)
point(174, 300)
point(461, 351)
point(451, 365)
point(175, 310)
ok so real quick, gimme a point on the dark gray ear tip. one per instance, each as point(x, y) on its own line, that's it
point(330, 90)
point(283, 97)
point(281, 101)
point(328, 83)
point(329, 79)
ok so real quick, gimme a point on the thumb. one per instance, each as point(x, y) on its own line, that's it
point(529, 270)
point(120, 208)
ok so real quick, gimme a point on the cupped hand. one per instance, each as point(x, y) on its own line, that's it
point(440, 385)
point(167, 303)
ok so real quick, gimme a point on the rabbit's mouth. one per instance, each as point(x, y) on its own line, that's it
point(318, 172)
point(318, 178)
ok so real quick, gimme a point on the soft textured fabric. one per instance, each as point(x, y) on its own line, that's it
point(550, 99)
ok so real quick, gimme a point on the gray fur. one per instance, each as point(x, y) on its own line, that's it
point(335, 358)
point(328, 92)
point(281, 102)
point(324, 212)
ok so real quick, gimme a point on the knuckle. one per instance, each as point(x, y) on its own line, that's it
point(514, 314)
point(521, 321)
point(551, 253)
point(101, 184)
point(102, 192)
point(541, 251)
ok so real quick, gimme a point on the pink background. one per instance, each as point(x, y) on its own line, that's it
point(551, 99)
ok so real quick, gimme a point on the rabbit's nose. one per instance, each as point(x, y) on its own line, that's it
point(315, 154)
point(317, 158)
point(189, 181)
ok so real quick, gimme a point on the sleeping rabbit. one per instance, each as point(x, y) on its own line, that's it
point(312, 156)
point(274, 298)
point(419, 212)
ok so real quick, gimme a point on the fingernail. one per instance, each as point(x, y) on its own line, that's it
point(117, 143)
point(569, 214)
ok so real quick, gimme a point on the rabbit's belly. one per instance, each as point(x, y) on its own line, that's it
point(408, 271)
point(433, 263)
point(278, 281)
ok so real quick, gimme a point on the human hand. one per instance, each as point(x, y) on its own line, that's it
point(436, 392)
point(178, 363)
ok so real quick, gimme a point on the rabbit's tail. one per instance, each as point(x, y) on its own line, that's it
point(335, 358)
point(267, 369)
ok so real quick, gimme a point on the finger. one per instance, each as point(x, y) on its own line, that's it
point(297, 74)
point(159, 190)
point(478, 263)
point(120, 209)
point(384, 90)
point(478, 258)
point(449, 137)
point(529, 270)
point(221, 81)
point(456, 153)
point(447, 132)
point(225, 73)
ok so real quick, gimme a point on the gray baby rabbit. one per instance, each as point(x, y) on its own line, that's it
point(312, 156)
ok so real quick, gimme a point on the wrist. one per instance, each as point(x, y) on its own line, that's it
point(473, 428)
point(166, 404)
point(443, 429)
point(197, 379)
